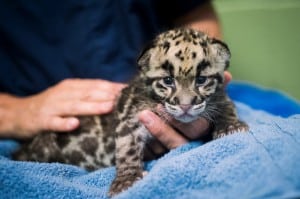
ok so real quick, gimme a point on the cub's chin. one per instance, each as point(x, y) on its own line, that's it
point(186, 118)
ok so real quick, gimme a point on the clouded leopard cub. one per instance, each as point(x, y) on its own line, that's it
point(182, 70)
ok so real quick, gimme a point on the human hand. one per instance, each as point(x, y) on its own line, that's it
point(57, 107)
point(166, 133)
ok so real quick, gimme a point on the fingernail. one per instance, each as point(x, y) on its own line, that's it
point(146, 118)
point(72, 123)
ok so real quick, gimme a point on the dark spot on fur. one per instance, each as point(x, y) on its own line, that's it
point(179, 55)
point(75, 157)
point(122, 160)
point(104, 139)
point(139, 139)
point(131, 152)
point(205, 51)
point(194, 100)
point(149, 81)
point(89, 145)
point(63, 140)
point(122, 101)
point(110, 147)
point(85, 123)
point(90, 168)
point(177, 36)
point(132, 143)
point(227, 64)
point(167, 66)
point(194, 54)
point(193, 35)
point(209, 84)
point(188, 71)
point(218, 77)
point(176, 100)
point(113, 161)
point(203, 43)
point(201, 66)
point(216, 41)
point(135, 158)
point(166, 46)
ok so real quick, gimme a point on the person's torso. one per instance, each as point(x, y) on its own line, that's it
point(43, 43)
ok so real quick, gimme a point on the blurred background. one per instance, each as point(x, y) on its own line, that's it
point(264, 38)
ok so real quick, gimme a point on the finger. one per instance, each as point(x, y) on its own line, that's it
point(94, 83)
point(159, 129)
point(96, 95)
point(84, 108)
point(61, 124)
point(85, 88)
point(110, 86)
point(228, 77)
point(82, 93)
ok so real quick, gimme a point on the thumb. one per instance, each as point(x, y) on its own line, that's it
point(61, 123)
point(162, 131)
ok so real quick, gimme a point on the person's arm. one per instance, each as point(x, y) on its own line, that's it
point(56, 107)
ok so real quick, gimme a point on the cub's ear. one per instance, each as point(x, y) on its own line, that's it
point(220, 52)
point(144, 57)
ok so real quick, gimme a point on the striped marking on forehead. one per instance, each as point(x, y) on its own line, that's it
point(181, 53)
point(185, 71)
point(168, 67)
point(183, 34)
point(188, 54)
point(181, 37)
point(173, 71)
point(187, 58)
point(202, 66)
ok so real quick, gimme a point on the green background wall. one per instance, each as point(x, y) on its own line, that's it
point(264, 38)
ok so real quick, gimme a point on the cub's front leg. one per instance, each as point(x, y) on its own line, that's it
point(228, 122)
point(129, 159)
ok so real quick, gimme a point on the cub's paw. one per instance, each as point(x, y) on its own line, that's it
point(123, 182)
point(238, 126)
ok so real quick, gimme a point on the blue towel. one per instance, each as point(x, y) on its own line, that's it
point(263, 163)
point(270, 100)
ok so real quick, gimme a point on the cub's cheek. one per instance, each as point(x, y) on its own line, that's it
point(162, 93)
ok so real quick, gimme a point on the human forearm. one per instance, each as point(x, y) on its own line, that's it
point(17, 117)
point(203, 18)
point(9, 108)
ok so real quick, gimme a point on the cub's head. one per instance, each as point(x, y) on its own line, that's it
point(183, 68)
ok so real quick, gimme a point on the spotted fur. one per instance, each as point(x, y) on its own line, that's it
point(182, 70)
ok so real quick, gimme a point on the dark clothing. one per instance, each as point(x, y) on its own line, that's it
point(44, 42)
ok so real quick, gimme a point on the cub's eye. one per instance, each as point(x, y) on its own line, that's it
point(168, 81)
point(201, 80)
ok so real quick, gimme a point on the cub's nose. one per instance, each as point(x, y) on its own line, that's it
point(185, 107)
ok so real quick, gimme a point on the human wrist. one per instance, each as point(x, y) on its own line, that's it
point(10, 111)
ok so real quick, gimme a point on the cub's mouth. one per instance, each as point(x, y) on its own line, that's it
point(185, 113)
point(186, 118)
